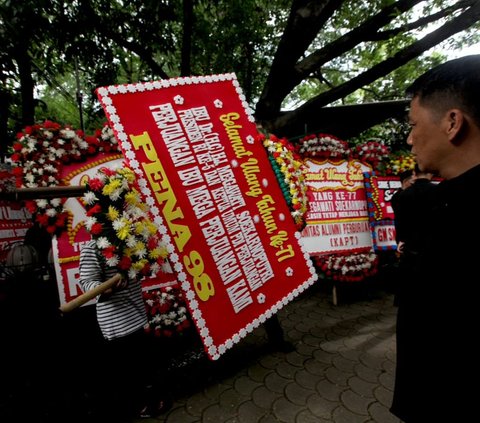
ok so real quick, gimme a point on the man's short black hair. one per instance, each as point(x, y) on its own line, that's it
point(453, 84)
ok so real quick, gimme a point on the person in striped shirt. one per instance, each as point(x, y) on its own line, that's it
point(122, 316)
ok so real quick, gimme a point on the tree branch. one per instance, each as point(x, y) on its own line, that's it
point(385, 35)
point(460, 23)
point(305, 21)
point(276, 89)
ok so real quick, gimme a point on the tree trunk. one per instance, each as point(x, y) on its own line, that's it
point(27, 86)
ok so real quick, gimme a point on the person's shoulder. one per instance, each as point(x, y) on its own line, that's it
point(396, 198)
point(89, 247)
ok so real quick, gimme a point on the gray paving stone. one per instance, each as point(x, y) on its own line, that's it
point(276, 383)
point(295, 359)
point(323, 356)
point(297, 394)
point(264, 398)
point(350, 354)
point(367, 373)
point(343, 415)
point(302, 327)
point(384, 396)
point(344, 365)
point(249, 412)
point(306, 379)
point(316, 367)
point(332, 345)
point(177, 415)
point(381, 414)
point(258, 373)
point(269, 418)
point(355, 403)
point(270, 361)
point(321, 407)
point(197, 403)
point(337, 376)
point(285, 411)
point(310, 340)
point(305, 349)
point(362, 387)
point(330, 391)
point(214, 390)
point(387, 379)
point(216, 413)
point(372, 361)
point(245, 385)
point(286, 370)
point(306, 416)
point(231, 398)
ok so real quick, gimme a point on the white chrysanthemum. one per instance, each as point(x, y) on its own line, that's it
point(90, 198)
point(43, 203)
point(55, 202)
point(51, 212)
point(113, 261)
point(155, 268)
point(31, 145)
point(115, 195)
point(103, 242)
point(48, 134)
point(119, 224)
point(131, 241)
point(132, 273)
point(60, 152)
point(89, 222)
point(140, 252)
point(68, 133)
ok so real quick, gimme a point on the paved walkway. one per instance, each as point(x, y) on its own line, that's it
point(342, 368)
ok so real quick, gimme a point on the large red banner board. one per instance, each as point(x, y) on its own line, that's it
point(215, 199)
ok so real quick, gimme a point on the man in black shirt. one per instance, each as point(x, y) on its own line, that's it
point(438, 310)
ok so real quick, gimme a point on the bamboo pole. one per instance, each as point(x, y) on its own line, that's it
point(43, 192)
point(90, 294)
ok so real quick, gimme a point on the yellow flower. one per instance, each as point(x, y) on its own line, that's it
point(151, 227)
point(123, 230)
point(111, 187)
point(139, 246)
point(139, 265)
point(128, 174)
point(140, 227)
point(158, 252)
point(132, 198)
point(113, 213)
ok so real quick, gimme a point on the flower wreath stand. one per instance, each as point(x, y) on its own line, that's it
point(346, 268)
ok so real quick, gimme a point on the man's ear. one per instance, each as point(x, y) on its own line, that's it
point(455, 123)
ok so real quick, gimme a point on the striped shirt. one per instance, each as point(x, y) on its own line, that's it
point(121, 313)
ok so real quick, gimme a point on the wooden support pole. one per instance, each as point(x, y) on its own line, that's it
point(90, 295)
point(43, 192)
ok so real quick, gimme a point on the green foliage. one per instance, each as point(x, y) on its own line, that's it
point(393, 133)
